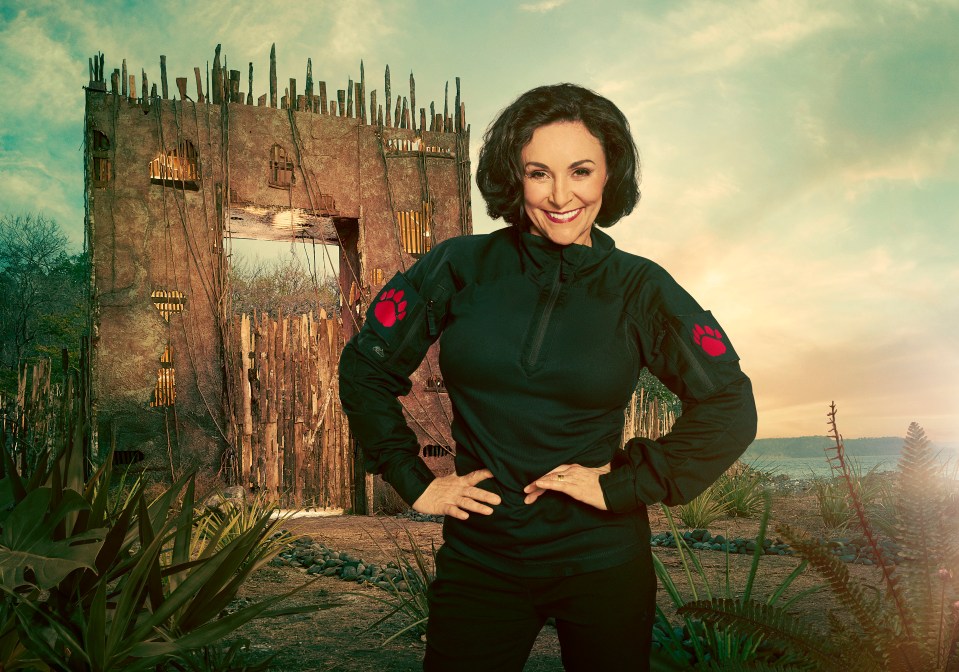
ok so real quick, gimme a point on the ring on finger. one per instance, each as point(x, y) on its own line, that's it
point(560, 477)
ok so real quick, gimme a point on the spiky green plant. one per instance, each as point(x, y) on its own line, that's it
point(704, 509)
point(727, 628)
point(87, 586)
point(408, 592)
point(742, 489)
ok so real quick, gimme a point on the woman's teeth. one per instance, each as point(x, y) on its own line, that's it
point(563, 217)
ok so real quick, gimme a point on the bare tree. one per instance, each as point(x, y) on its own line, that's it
point(42, 289)
point(275, 286)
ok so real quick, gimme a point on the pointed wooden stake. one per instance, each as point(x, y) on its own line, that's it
point(273, 75)
point(163, 85)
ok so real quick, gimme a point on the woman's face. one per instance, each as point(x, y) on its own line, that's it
point(565, 172)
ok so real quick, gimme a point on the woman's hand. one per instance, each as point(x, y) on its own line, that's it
point(456, 496)
point(573, 480)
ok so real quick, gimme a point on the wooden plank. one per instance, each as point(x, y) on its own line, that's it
point(115, 82)
point(341, 99)
point(373, 107)
point(234, 96)
point(412, 93)
point(309, 84)
point(456, 110)
point(359, 100)
point(132, 88)
point(273, 75)
point(389, 98)
point(323, 105)
point(199, 85)
point(144, 86)
point(349, 98)
point(361, 95)
point(261, 101)
point(217, 78)
point(181, 87)
point(123, 79)
point(422, 119)
point(249, 90)
point(291, 94)
point(163, 83)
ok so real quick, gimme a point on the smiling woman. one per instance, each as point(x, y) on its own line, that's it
point(545, 327)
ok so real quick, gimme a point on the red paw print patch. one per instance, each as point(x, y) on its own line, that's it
point(390, 307)
point(709, 339)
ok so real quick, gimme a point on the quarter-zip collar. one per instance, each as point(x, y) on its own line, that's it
point(541, 255)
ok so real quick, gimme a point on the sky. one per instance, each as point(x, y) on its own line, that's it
point(800, 159)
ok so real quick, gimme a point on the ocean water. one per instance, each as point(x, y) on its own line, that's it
point(811, 467)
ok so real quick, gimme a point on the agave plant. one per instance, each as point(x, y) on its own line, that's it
point(727, 629)
point(87, 585)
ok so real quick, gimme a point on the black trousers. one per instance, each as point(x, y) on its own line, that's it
point(486, 621)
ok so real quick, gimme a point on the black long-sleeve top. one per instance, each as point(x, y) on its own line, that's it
point(541, 347)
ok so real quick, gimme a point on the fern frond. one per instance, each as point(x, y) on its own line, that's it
point(772, 623)
point(924, 527)
point(850, 593)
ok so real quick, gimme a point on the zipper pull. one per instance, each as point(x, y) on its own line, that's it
point(430, 319)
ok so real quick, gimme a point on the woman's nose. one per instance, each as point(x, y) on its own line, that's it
point(560, 195)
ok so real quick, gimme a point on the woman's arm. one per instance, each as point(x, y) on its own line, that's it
point(685, 347)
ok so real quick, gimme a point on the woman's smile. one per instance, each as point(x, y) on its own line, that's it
point(565, 217)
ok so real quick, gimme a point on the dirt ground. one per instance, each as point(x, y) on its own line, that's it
point(338, 639)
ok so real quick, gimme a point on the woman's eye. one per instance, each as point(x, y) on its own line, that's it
point(582, 172)
point(536, 175)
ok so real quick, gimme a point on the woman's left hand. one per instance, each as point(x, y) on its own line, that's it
point(573, 480)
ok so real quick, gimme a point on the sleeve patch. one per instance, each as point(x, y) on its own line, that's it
point(392, 307)
point(703, 333)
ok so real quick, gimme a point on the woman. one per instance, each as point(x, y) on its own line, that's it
point(544, 329)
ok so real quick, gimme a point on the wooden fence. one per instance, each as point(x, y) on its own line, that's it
point(293, 439)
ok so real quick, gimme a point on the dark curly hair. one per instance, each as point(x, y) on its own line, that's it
point(499, 174)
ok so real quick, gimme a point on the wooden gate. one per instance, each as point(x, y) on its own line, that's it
point(293, 436)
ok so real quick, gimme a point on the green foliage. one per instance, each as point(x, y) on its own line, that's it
point(743, 489)
point(218, 526)
point(706, 508)
point(833, 498)
point(720, 624)
point(739, 492)
point(232, 657)
point(90, 584)
point(913, 623)
point(408, 591)
point(44, 289)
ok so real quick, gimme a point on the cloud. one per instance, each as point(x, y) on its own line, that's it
point(543, 6)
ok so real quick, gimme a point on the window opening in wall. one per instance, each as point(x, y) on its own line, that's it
point(168, 301)
point(433, 450)
point(176, 168)
point(281, 169)
point(101, 159)
point(435, 384)
point(415, 234)
point(164, 394)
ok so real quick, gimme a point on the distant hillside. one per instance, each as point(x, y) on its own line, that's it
point(813, 446)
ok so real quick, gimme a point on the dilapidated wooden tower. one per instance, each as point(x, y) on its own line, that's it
point(172, 176)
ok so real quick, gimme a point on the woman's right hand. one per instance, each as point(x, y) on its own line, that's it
point(457, 496)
